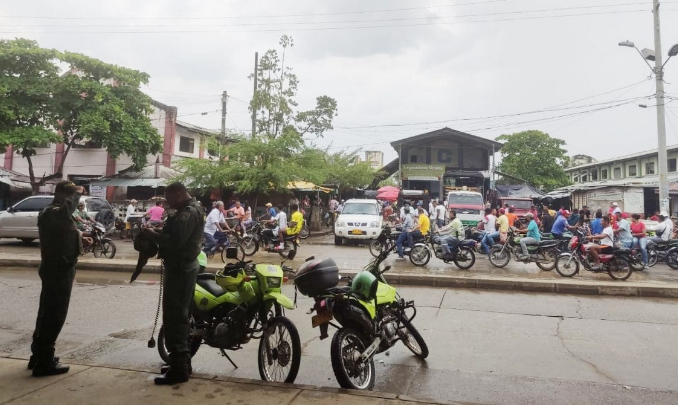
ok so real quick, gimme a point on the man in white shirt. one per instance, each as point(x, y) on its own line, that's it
point(333, 205)
point(280, 221)
point(440, 214)
point(130, 210)
point(212, 225)
point(664, 230)
point(490, 226)
point(606, 243)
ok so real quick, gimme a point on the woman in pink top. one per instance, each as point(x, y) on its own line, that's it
point(156, 213)
point(639, 236)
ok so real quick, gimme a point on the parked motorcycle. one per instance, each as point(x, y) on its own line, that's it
point(372, 317)
point(615, 264)
point(388, 243)
point(461, 253)
point(101, 245)
point(659, 252)
point(244, 301)
point(257, 238)
point(544, 253)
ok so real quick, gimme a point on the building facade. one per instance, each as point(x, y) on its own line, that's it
point(375, 158)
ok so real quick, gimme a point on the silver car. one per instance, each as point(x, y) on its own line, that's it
point(21, 220)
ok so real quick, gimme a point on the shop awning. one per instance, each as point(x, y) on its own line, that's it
point(154, 176)
point(304, 186)
point(154, 183)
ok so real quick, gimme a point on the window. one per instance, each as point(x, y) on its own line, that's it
point(360, 208)
point(617, 173)
point(603, 174)
point(186, 144)
point(584, 178)
point(413, 159)
point(632, 170)
point(33, 204)
point(649, 168)
point(672, 165)
point(97, 205)
point(575, 179)
point(594, 174)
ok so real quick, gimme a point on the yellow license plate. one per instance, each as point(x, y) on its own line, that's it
point(321, 318)
point(357, 232)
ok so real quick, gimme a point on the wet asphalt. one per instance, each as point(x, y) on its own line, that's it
point(486, 346)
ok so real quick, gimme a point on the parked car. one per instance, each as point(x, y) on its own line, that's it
point(21, 220)
point(359, 220)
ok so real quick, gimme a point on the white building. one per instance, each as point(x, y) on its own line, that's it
point(375, 158)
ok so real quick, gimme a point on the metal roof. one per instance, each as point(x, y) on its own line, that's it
point(643, 154)
point(153, 175)
point(448, 132)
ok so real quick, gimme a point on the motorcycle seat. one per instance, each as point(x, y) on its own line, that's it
point(619, 251)
point(547, 235)
point(468, 242)
point(206, 275)
point(548, 243)
point(211, 286)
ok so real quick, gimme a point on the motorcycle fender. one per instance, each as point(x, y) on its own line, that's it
point(283, 300)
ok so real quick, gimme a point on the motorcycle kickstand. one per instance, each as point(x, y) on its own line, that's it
point(223, 353)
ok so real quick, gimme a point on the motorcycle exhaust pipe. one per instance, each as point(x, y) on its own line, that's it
point(369, 351)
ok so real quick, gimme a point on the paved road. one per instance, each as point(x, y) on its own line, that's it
point(486, 346)
point(355, 257)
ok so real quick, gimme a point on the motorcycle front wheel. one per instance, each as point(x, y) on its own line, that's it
point(412, 339)
point(420, 255)
point(289, 246)
point(567, 265)
point(375, 248)
point(350, 371)
point(619, 269)
point(465, 258)
point(550, 258)
point(672, 260)
point(106, 248)
point(250, 245)
point(223, 252)
point(305, 232)
point(499, 256)
point(280, 353)
point(652, 257)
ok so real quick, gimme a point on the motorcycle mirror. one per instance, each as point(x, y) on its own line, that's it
point(292, 254)
point(232, 253)
point(387, 268)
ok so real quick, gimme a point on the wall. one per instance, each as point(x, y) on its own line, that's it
point(451, 154)
point(630, 199)
point(183, 132)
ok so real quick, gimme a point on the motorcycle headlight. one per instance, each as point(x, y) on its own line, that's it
point(273, 282)
point(340, 224)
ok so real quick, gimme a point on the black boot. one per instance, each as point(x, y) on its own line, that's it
point(32, 361)
point(166, 367)
point(49, 368)
point(178, 371)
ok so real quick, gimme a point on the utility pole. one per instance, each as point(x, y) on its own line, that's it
point(661, 115)
point(254, 111)
point(224, 98)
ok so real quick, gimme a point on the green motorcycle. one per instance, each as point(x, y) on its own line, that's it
point(371, 315)
point(241, 302)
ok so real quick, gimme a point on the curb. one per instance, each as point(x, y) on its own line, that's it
point(566, 286)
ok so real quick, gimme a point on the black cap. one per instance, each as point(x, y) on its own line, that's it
point(65, 187)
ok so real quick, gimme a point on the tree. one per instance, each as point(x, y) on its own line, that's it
point(93, 102)
point(274, 99)
point(535, 157)
point(345, 170)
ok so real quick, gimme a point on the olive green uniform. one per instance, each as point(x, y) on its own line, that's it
point(179, 248)
point(59, 249)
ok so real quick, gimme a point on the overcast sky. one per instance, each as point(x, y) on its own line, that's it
point(430, 63)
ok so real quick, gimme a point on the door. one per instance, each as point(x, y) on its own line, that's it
point(21, 221)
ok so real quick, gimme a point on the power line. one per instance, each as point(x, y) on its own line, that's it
point(320, 28)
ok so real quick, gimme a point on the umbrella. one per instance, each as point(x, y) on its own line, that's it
point(390, 196)
point(389, 189)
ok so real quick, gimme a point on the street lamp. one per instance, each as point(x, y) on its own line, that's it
point(658, 70)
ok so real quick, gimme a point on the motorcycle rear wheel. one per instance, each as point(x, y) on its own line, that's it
point(420, 255)
point(193, 343)
point(652, 257)
point(284, 350)
point(250, 246)
point(551, 256)
point(410, 336)
point(305, 232)
point(465, 258)
point(619, 269)
point(566, 269)
point(499, 256)
point(347, 345)
point(635, 262)
point(223, 252)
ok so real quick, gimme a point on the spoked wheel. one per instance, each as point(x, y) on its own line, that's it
point(420, 255)
point(351, 372)
point(250, 246)
point(412, 339)
point(193, 342)
point(567, 265)
point(238, 246)
point(289, 246)
point(106, 248)
point(549, 261)
point(672, 259)
point(652, 257)
point(499, 256)
point(280, 352)
point(375, 248)
point(619, 269)
point(465, 258)
point(305, 232)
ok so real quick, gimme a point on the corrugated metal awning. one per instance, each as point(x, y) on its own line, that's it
point(154, 183)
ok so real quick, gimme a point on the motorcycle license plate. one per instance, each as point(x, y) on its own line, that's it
point(322, 317)
point(357, 232)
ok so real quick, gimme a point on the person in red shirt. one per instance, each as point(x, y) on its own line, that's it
point(639, 236)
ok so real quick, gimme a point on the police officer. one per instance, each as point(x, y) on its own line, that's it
point(179, 244)
point(59, 249)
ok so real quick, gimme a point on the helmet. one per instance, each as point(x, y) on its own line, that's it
point(230, 280)
point(365, 285)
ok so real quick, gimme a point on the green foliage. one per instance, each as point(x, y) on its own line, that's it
point(343, 169)
point(274, 99)
point(94, 101)
point(535, 157)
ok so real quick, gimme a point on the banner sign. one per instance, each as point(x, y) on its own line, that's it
point(97, 191)
point(422, 172)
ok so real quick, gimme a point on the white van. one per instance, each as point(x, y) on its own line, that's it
point(468, 206)
point(360, 219)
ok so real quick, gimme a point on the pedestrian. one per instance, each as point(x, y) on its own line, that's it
point(59, 250)
point(440, 216)
point(179, 246)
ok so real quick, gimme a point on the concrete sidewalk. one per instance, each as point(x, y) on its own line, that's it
point(88, 384)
